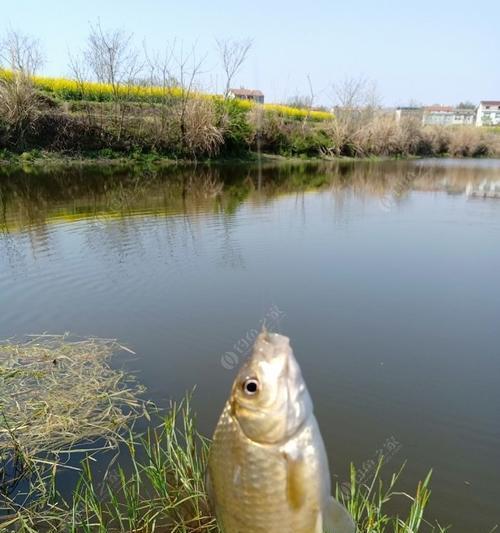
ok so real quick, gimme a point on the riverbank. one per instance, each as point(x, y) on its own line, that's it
point(11, 162)
point(107, 160)
point(52, 119)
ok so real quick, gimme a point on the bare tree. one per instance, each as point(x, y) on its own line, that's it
point(80, 74)
point(232, 55)
point(356, 107)
point(112, 58)
point(159, 66)
point(303, 101)
point(189, 67)
point(79, 71)
point(311, 102)
point(173, 74)
point(21, 55)
point(161, 79)
point(355, 92)
point(300, 101)
point(356, 101)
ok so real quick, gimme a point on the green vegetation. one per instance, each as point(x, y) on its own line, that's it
point(65, 402)
point(368, 504)
point(69, 117)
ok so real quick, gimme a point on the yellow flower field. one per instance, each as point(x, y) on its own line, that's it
point(67, 89)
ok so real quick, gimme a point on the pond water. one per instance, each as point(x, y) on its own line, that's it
point(384, 274)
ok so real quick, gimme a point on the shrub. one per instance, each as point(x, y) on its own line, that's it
point(63, 132)
point(18, 107)
point(308, 141)
point(233, 121)
point(201, 135)
point(272, 134)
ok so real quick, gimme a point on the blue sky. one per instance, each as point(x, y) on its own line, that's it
point(432, 52)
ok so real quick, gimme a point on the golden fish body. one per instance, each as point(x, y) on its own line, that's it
point(268, 470)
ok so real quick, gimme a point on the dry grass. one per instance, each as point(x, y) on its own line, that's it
point(201, 134)
point(55, 392)
point(379, 134)
point(19, 105)
point(59, 396)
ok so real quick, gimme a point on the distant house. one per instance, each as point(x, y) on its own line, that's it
point(247, 94)
point(464, 116)
point(438, 114)
point(448, 116)
point(488, 113)
point(408, 112)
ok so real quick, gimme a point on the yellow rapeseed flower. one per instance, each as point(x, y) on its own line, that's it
point(72, 90)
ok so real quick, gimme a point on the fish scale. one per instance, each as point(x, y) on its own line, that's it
point(262, 484)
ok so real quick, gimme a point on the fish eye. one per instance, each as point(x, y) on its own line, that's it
point(251, 386)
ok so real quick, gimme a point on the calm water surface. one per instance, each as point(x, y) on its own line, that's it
point(384, 275)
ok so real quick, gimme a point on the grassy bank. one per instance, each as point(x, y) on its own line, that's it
point(66, 410)
point(81, 119)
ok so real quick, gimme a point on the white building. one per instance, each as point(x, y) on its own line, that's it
point(440, 115)
point(448, 116)
point(464, 116)
point(488, 113)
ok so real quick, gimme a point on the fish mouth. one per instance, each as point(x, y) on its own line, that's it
point(271, 344)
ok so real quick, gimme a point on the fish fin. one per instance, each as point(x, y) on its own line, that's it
point(296, 485)
point(318, 528)
point(337, 519)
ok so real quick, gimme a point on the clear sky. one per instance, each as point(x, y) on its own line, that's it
point(440, 51)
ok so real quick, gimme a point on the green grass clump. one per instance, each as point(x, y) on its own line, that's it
point(367, 504)
point(162, 488)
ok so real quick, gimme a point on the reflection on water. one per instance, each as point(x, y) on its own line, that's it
point(28, 202)
point(383, 273)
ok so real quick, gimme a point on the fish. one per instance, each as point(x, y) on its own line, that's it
point(267, 465)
